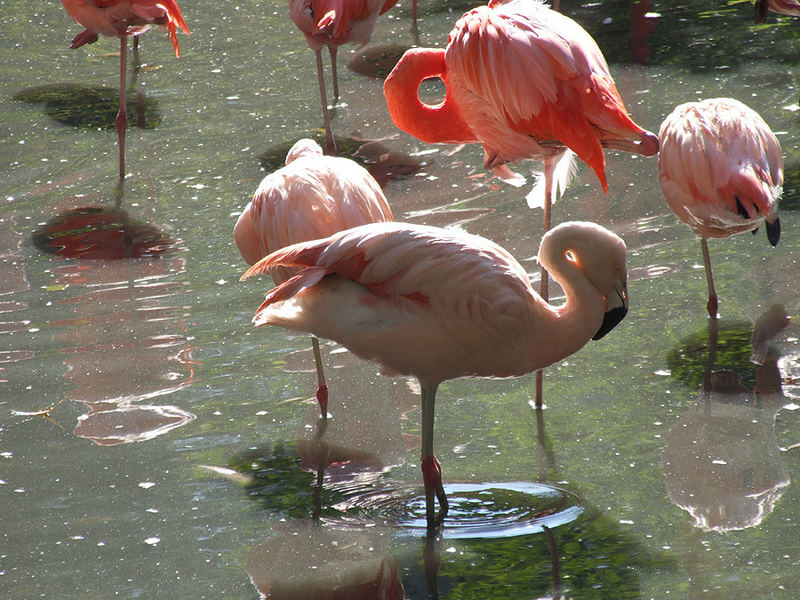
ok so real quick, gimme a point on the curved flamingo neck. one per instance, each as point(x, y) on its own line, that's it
point(441, 123)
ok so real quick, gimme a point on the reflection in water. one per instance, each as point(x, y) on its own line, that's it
point(90, 106)
point(722, 460)
point(94, 232)
point(306, 560)
point(125, 342)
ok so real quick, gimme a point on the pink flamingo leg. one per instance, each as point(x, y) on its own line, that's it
point(330, 144)
point(431, 469)
point(334, 73)
point(322, 388)
point(712, 305)
point(122, 115)
point(544, 292)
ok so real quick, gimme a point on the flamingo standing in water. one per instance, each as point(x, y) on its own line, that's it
point(312, 197)
point(527, 83)
point(721, 172)
point(440, 304)
point(123, 18)
point(332, 23)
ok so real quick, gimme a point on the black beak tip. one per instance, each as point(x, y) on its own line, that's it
point(610, 320)
point(774, 231)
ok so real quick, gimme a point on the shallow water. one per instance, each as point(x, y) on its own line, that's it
point(183, 457)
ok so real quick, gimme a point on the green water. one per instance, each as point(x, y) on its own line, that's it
point(180, 460)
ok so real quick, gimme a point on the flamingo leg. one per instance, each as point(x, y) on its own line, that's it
point(431, 469)
point(334, 73)
point(712, 305)
point(556, 5)
point(330, 144)
point(322, 388)
point(122, 115)
point(549, 169)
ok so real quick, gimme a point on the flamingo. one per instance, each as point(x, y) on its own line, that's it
point(721, 172)
point(784, 7)
point(332, 23)
point(123, 18)
point(527, 83)
point(312, 197)
point(440, 304)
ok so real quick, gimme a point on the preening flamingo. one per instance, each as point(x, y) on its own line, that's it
point(124, 18)
point(721, 172)
point(440, 304)
point(527, 83)
point(784, 7)
point(332, 23)
point(312, 197)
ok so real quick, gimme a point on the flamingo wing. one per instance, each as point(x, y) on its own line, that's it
point(538, 73)
point(720, 167)
point(456, 276)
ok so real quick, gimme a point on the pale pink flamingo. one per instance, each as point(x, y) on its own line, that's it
point(312, 197)
point(527, 83)
point(440, 304)
point(721, 172)
point(124, 18)
point(332, 23)
point(784, 7)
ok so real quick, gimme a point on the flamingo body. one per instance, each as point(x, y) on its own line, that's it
point(122, 18)
point(524, 81)
point(721, 171)
point(440, 304)
point(312, 197)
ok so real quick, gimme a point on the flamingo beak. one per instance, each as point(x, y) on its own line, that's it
point(616, 309)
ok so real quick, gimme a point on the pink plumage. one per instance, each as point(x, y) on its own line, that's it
point(721, 172)
point(440, 304)
point(524, 81)
point(784, 7)
point(312, 197)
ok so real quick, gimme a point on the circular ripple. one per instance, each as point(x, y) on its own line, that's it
point(477, 510)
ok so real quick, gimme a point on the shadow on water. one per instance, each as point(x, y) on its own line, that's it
point(348, 529)
point(722, 460)
point(91, 106)
point(383, 163)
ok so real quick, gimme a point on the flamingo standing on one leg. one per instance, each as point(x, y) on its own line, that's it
point(784, 7)
point(312, 197)
point(440, 304)
point(721, 172)
point(527, 83)
point(123, 18)
point(332, 23)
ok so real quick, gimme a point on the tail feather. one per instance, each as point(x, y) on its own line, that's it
point(297, 255)
point(289, 288)
point(562, 175)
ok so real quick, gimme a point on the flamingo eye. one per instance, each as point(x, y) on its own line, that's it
point(570, 256)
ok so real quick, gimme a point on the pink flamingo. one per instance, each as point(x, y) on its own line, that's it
point(440, 304)
point(721, 172)
point(784, 7)
point(123, 18)
point(332, 23)
point(527, 83)
point(312, 197)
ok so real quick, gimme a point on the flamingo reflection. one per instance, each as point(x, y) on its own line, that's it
point(722, 460)
point(125, 341)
